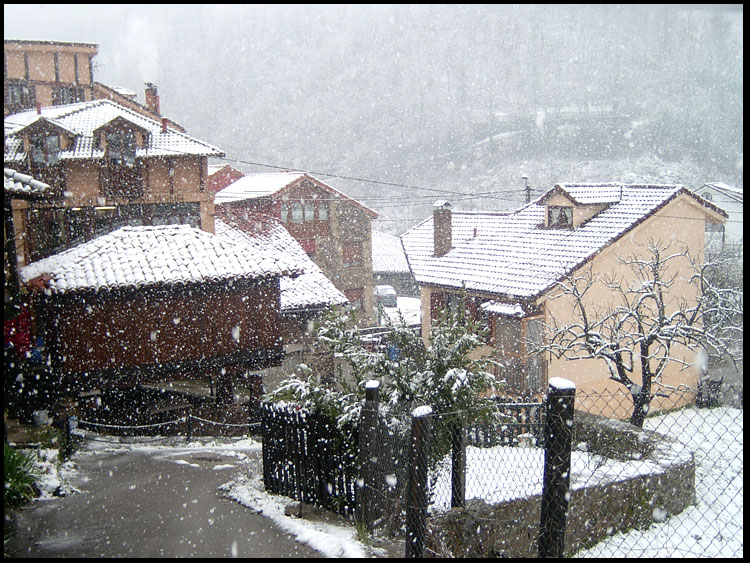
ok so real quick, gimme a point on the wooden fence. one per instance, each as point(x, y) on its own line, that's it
point(305, 458)
point(518, 421)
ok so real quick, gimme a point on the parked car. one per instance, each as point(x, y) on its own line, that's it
point(385, 295)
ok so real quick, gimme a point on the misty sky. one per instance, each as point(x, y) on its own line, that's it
point(411, 93)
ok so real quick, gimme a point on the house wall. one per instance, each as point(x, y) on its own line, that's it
point(125, 329)
point(81, 182)
point(733, 231)
point(680, 222)
point(38, 57)
point(221, 179)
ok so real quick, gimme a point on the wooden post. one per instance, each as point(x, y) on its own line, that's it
point(458, 464)
point(557, 446)
point(366, 513)
point(416, 496)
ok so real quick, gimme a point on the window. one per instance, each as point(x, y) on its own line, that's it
point(297, 216)
point(284, 213)
point(66, 95)
point(121, 148)
point(352, 254)
point(54, 230)
point(356, 298)
point(45, 149)
point(177, 214)
point(560, 217)
point(19, 96)
point(309, 212)
point(508, 336)
point(322, 211)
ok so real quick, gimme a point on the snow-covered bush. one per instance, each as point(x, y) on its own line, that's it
point(441, 375)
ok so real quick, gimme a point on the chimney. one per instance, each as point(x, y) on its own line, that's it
point(152, 98)
point(163, 124)
point(441, 225)
point(39, 108)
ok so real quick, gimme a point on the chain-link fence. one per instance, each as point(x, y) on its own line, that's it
point(710, 523)
point(671, 489)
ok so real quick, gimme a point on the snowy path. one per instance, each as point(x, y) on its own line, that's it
point(147, 501)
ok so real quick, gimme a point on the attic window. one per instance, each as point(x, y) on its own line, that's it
point(121, 148)
point(560, 217)
point(45, 149)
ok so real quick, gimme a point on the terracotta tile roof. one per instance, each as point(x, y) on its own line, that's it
point(268, 184)
point(311, 289)
point(388, 254)
point(135, 257)
point(509, 254)
point(83, 118)
point(22, 185)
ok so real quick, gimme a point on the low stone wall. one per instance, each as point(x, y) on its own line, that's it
point(511, 529)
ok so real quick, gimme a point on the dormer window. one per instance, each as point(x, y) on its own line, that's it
point(560, 217)
point(45, 149)
point(121, 148)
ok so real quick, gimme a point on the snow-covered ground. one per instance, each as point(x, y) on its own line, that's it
point(711, 528)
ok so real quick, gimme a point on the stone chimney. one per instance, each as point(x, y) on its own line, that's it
point(152, 98)
point(442, 228)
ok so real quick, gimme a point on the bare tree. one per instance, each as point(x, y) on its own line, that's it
point(650, 322)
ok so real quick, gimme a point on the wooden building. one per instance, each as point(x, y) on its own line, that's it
point(146, 304)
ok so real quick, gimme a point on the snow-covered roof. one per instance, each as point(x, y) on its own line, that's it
point(82, 119)
point(267, 184)
point(309, 290)
point(136, 257)
point(388, 254)
point(514, 256)
point(500, 308)
point(725, 189)
point(591, 193)
point(24, 186)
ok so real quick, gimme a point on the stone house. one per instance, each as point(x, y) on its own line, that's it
point(508, 265)
point(332, 228)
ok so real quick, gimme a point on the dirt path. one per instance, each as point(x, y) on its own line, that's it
point(150, 504)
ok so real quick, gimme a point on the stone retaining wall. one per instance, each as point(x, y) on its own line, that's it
point(511, 529)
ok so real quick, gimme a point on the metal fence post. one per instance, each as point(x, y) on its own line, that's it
point(366, 513)
point(557, 446)
point(416, 501)
point(458, 464)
